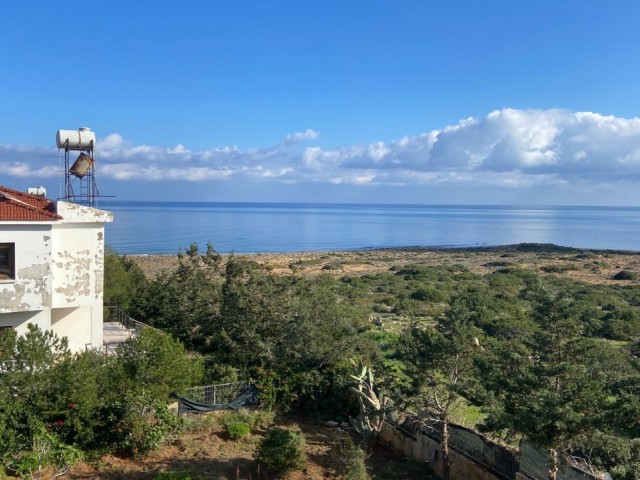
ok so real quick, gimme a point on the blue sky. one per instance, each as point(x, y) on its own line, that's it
point(398, 101)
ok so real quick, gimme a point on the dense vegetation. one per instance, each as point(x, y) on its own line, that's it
point(57, 407)
point(515, 353)
point(568, 347)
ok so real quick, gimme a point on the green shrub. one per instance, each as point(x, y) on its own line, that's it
point(281, 451)
point(46, 451)
point(428, 294)
point(625, 275)
point(146, 425)
point(352, 460)
point(159, 363)
point(555, 268)
point(237, 430)
point(255, 419)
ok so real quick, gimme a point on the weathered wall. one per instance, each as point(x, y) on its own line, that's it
point(75, 264)
point(423, 448)
point(78, 272)
point(74, 324)
point(58, 265)
point(31, 289)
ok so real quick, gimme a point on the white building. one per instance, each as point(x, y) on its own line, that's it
point(52, 267)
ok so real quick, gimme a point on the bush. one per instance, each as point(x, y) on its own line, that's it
point(352, 460)
point(46, 451)
point(259, 419)
point(555, 268)
point(428, 294)
point(281, 451)
point(237, 430)
point(147, 424)
point(159, 363)
point(625, 275)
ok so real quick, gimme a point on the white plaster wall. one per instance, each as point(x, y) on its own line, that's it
point(74, 324)
point(76, 213)
point(19, 320)
point(78, 273)
point(58, 265)
point(31, 289)
point(78, 264)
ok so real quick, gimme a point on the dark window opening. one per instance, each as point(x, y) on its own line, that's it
point(7, 261)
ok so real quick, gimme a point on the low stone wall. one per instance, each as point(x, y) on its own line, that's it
point(421, 447)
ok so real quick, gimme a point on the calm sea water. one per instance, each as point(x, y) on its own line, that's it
point(165, 227)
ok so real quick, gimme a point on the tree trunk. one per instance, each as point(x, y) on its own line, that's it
point(553, 470)
point(444, 445)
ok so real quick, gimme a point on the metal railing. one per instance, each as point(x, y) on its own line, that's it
point(116, 314)
point(215, 394)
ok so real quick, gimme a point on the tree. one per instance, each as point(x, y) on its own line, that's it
point(551, 394)
point(124, 282)
point(186, 302)
point(158, 364)
point(441, 364)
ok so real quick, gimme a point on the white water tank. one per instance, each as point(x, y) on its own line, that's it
point(81, 139)
point(39, 191)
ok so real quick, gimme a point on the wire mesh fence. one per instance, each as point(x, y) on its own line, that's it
point(535, 463)
point(499, 459)
point(215, 394)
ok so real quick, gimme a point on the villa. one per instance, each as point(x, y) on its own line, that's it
point(52, 267)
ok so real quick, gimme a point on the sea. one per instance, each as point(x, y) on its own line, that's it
point(146, 227)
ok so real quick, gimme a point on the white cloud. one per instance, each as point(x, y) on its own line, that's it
point(308, 134)
point(510, 148)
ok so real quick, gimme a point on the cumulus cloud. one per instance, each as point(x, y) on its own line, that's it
point(308, 134)
point(509, 148)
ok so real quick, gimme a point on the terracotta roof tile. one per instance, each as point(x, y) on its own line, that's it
point(19, 207)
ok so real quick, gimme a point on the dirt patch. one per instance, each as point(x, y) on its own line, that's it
point(209, 454)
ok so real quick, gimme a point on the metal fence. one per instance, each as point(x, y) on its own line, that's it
point(215, 394)
point(503, 462)
point(500, 460)
point(535, 463)
point(115, 314)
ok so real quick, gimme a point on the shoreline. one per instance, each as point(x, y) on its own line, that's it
point(586, 265)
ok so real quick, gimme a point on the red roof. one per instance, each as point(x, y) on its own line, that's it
point(19, 207)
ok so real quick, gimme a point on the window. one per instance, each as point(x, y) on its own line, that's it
point(7, 262)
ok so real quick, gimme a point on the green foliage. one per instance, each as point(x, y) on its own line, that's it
point(374, 406)
point(87, 400)
point(625, 275)
point(124, 282)
point(255, 419)
point(216, 373)
point(237, 430)
point(146, 424)
point(556, 388)
point(428, 294)
point(351, 460)
point(619, 456)
point(281, 451)
point(185, 301)
point(156, 362)
point(46, 451)
point(294, 337)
